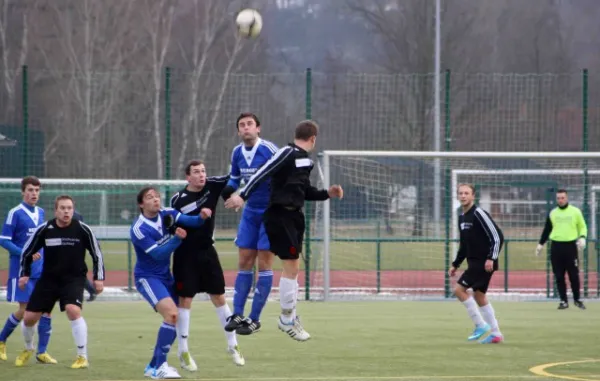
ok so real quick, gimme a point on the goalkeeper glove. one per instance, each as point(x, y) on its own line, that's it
point(581, 243)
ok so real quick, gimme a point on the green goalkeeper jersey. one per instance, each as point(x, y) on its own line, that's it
point(564, 224)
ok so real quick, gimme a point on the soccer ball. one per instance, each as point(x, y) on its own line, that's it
point(249, 23)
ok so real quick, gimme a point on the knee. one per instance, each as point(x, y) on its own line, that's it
point(73, 312)
point(30, 318)
point(265, 260)
point(217, 300)
point(461, 293)
point(480, 298)
point(246, 259)
point(171, 316)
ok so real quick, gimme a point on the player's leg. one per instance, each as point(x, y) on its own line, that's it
point(246, 240)
point(71, 302)
point(559, 268)
point(487, 311)
point(573, 272)
point(13, 294)
point(285, 230)
point(159, 294)
point(42, 300)
point(185, 269)
point(44, 329)
point(263, 284)
point(213, 283)
point(466, 281)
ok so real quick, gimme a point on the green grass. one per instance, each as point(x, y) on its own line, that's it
point(361, 255)
point(350, 341)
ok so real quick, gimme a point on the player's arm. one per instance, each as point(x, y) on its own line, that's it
point(268, 169)
point(151, 247)
point(546, 232)
point(235, 177)
point(220, 183)
point(581, 225)
point(34, 244)
point(460, 256)
point(7, 234)
point(493, 234)
point(312, 193)
point(93, 248)
point(185, 220)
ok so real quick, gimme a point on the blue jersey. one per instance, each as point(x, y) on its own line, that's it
point(148, 235)
point(245, 161)
point(20, 224)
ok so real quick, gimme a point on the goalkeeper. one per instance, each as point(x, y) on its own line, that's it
point(566, 228)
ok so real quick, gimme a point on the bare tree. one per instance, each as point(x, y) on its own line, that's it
point(14, 47)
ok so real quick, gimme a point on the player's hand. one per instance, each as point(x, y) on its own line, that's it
point(205, 213)
point(336, 191)
point(581, 243)
point(181, 233)
point(538, 249)
point(99, 286)
point(452, 271)
point(37, 257)
point(489, 265)
point(234, 202)
point(23, 282)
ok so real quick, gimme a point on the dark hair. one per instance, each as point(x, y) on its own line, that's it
point(306, 130)
point(190, 164)
point(61, 198)
point(30, 180)
point(142, 193)
point(247, 115)
point(562, 190)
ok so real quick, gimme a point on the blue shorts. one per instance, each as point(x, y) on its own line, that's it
point(251, 232)
point(156, 289)
point(15, 294)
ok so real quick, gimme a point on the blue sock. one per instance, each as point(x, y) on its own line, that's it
point(243, 284)
point(261, 293)
point(11, 323)
point(44, 331)
point(166, 336)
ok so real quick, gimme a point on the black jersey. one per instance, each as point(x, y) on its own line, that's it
point(64, 250)
point(480, 238)
point(191, 203)
point(289, 170)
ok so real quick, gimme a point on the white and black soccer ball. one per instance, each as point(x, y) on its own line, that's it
point(249, 23)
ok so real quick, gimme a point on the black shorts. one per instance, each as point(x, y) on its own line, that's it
point(285, 229)
point(476, 278)
point(198, 272)
point(48, 291)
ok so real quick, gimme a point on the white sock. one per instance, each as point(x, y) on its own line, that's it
point(473, 311)
point(223, 313)
point(489, 316)
point(79, 330)
point(183, 330)
point(28, 333)
point(295, 301)
point(288, 294)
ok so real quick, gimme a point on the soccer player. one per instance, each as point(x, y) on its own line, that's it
point(196, 265)
point(251, 239)
point(155, 236)
point(20, 224)
point(289, 170)
point(566, 228)
point(64, 271)
point(480, 243)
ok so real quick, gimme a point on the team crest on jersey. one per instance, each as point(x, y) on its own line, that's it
point(465, 225)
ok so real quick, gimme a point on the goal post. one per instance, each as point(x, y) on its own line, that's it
point(382, 240)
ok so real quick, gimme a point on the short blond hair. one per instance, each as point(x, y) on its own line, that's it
point(468, 185)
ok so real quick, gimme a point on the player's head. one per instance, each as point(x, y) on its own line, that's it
point(195, 174)
point(64, 206)
point(562, 197)
point(466, 194)
point(148, 200)
point(30, 190)
point(306, 134)
point(248, 127)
